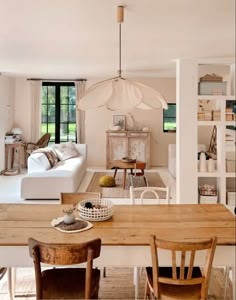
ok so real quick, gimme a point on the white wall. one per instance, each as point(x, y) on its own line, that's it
point(99, 120)
point(6, 112)
point(22, 107)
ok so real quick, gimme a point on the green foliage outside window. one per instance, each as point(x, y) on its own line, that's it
point(169, 118)
point(59, 111)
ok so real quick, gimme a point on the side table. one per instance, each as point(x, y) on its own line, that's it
point(12, 148)
point(119, 164)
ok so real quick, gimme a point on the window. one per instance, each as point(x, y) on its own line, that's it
point(59, 111)
point(169, 118)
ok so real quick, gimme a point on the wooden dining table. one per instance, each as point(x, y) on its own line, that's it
point(125, 237)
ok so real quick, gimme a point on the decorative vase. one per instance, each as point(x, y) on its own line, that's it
point(69, 218)
point(202, 166)
point(211, 165)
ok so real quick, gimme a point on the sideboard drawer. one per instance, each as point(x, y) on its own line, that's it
point(138, 133)
point(116, 133)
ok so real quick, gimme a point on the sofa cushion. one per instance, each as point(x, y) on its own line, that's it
point(49, 153)
point(38, 162)
point(66, 150)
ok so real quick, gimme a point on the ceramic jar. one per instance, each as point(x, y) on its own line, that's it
point(69, 218)
point(202, 163)
point(211, 165)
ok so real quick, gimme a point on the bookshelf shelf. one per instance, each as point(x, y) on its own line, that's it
point(209, 174)
point(222, 108)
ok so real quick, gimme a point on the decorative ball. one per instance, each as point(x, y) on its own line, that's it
point(88, 205)
point(107, 181)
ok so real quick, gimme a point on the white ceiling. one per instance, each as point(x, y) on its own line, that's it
point(79, 38)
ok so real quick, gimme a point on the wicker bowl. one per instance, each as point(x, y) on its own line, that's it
point(102, 209)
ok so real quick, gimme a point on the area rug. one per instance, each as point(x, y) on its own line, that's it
point(118, 284)
point(153, 179)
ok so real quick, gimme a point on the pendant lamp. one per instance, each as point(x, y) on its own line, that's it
point(119, 93)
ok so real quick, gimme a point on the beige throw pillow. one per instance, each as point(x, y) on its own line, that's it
point(66, 150)
point(50, 154)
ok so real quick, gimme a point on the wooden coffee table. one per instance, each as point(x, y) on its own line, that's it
point(120, 164)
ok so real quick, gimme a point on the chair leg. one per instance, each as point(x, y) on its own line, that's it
point(136, 282)
point(131, 180)
point(11, 282)
point(147, 291)
point(226, 281)
point(104, 272)
point(145, 180)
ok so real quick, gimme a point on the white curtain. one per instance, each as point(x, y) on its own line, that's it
point(35, 102)
point(80, 87)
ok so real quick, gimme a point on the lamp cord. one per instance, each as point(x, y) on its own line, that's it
point(119, 71)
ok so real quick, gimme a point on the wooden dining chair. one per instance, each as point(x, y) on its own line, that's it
point(183, 280)
point(154, 190)
point(74, 198)
point(142, 192)
point(66, 282)
point(138, 171)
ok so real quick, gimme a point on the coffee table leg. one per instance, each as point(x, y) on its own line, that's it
point(124, 178)
point(115, 172)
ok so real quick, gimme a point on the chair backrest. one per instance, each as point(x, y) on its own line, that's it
point(138, 165)
point(44, 140)
point(145, 190)
point(183, 251)
point(73, 198)
point(64, 254)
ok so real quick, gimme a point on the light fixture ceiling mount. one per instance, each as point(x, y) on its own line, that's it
point(119, 93)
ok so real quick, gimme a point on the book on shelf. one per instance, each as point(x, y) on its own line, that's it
point(229, 117)
point(229, 110)
point(10, 138)
point(216, 115)
point(208, 115)
point(10, 141)
point(201, 116)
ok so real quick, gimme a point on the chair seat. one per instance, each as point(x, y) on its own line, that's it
point(171, 291)
point(68, 283)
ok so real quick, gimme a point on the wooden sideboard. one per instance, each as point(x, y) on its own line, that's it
point(134, 144)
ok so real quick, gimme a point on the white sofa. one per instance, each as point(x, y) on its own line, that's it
point(44, 182)
point(172, 157)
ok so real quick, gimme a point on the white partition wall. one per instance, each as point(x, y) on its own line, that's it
point(186, 136)
point(219, 117)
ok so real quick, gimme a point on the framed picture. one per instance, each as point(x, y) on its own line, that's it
point(119, 120)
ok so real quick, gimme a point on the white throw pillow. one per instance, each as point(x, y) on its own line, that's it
point(66, 150)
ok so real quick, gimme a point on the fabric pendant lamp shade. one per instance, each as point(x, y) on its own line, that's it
point(119, 93)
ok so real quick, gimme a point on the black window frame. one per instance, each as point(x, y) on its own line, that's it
point(165, 118)
point(57, 123)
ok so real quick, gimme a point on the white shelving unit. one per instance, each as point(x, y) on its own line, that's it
point(219, 177)
point(187, 174)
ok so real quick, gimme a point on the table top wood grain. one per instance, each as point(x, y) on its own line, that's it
point(130, 224)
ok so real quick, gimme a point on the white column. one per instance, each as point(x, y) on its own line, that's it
point(186, 135)
point(232, 79)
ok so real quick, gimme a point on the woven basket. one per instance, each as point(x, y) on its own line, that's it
point(105, 212)
point(211, 78)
